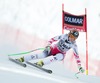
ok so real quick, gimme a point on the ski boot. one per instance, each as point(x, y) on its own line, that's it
point(39, 63)
point(20, 59)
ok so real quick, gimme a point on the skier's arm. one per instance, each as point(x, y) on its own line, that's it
point(76, 55)
point(51, 41)
point(78, 59)
point(56, 38)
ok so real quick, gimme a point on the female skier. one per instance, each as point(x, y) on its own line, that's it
point(56, 51)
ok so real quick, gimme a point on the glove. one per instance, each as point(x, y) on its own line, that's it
point(81, 69)
point(47, 49)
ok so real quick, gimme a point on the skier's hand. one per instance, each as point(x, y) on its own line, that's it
point(81, 69)
point(48, 48)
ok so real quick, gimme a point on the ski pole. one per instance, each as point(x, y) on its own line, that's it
point(26, 52)
point(77, 74)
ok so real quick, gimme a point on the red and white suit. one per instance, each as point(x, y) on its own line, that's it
point(59, 46)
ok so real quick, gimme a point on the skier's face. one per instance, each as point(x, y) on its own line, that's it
point(72, 38)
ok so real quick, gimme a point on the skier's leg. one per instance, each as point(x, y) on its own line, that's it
point(44, 54)
point(50, 59)
point(34, 56)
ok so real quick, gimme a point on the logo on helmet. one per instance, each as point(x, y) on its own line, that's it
point(75, 33)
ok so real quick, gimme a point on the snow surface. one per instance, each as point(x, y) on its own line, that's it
point(13, 73)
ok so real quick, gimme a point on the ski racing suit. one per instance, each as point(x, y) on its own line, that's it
point(57, 50)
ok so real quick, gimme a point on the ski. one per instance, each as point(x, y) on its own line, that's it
point(77, 74)
point(32, 64)
point(41, 68)
point(17, 62)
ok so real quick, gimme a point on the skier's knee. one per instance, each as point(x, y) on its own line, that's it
point(59, 56)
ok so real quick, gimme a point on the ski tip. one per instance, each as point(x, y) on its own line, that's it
point(24, 65)
point(49, 71)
